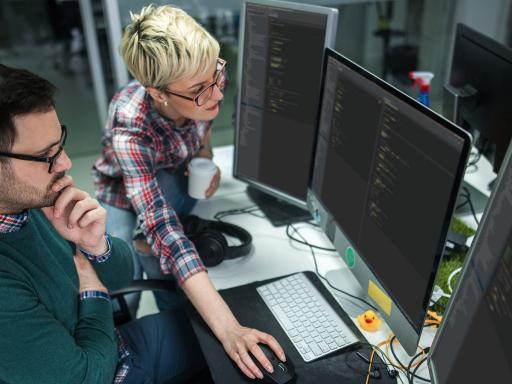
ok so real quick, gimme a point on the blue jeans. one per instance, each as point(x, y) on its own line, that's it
point(163, 349)
point(121, 223)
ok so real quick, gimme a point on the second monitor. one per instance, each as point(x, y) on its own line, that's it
point(280, 68)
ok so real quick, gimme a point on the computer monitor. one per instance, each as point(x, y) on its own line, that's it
point(385, 179)
point(473, 342)
point(477, 96)
point(279, 72)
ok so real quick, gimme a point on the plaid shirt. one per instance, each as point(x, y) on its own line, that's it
point(13, 223)
point(138, 142)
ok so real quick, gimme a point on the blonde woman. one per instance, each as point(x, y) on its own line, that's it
point(156, 125)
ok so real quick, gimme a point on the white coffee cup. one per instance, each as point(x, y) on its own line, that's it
point(200, 174)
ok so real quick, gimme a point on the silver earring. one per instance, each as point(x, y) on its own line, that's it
point(165, 103)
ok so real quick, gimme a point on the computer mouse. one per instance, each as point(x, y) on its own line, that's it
point(284, 372)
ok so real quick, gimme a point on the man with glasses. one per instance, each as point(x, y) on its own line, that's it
point(156, 125)
point(57, 265)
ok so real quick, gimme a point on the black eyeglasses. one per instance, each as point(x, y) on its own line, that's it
point(50, 160)
point(206, 93)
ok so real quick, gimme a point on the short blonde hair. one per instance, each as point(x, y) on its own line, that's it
point(164, 44)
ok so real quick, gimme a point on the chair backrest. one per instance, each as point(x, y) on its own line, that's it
point(121, 310)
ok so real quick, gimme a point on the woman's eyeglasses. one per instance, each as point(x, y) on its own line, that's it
point(206, 93)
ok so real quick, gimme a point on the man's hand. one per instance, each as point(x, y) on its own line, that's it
point(78, 218)
point(240, 340)
point(87, 276)
point(214, 184)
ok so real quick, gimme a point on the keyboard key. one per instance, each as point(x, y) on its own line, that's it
point(283, 319)
point(302, 347)
point(323, 346)
point(314, 348)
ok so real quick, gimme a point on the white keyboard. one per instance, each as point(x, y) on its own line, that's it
point(306, 317)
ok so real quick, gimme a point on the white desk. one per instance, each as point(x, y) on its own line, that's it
point(477, 179)
point(273, 254)
point(481, 176)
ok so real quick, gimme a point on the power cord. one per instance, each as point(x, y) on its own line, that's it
point(239, 211)
point(390, 367)
point(475, 160)
point(290, 236)
point(413, 373)
point(450, 277)
point(410, 375)
point(324, 278)
point(465, 193)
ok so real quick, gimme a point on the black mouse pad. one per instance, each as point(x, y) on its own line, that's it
point(340, 367)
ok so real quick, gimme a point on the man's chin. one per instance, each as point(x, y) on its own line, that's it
point(49, 200)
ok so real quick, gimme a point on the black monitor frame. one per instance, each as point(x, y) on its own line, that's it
point(476, 101)
point(471, 266)
point(408, 332)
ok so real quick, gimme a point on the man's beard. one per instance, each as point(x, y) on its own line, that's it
point(18, 196)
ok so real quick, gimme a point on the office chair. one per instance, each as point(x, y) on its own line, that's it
point(122, 312)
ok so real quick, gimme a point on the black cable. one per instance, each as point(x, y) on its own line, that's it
point(466, 201)
point(290, 236)
point(471, 207)
point(413, 374)
point(238, 211)
point(391, 348)
point(324, 278)
point(410, 377)
point(389, 364)
point(476, 159)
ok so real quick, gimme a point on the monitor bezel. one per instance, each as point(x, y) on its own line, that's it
point(465, 268)
point(330, 37)
point(463, 35)
point(407, 326)
point(464, 32)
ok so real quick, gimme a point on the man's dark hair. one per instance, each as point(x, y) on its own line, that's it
point(21, 93)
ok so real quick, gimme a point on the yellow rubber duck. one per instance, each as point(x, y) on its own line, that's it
point(369, 321)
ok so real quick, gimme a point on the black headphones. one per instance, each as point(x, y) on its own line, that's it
point(212, 246)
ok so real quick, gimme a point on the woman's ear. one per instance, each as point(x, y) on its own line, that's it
point(156, 94)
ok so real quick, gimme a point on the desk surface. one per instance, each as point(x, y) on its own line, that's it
point(273, 254)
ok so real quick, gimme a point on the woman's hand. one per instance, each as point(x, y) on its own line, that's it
point(214, 184)
point(239, 341)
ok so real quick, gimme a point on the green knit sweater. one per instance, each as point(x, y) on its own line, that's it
point(47, 335)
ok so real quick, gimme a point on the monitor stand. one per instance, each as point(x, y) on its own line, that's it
point(344, 280)
point(278, 212)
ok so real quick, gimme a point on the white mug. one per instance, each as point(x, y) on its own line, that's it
point(200, 174)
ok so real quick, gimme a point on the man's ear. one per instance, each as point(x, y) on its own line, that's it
point(156, 94)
